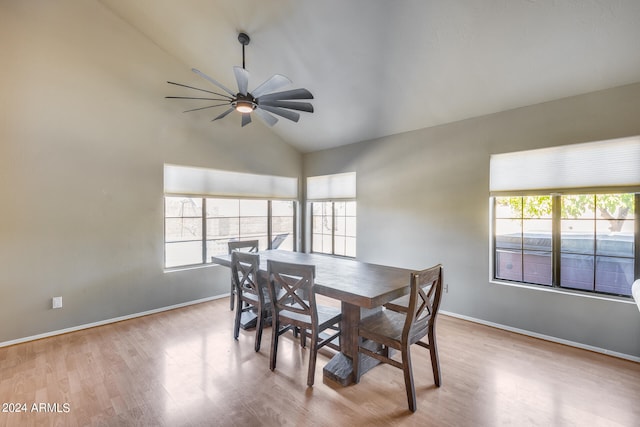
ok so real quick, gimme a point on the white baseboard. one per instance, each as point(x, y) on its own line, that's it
point(544, 337)
point(107, 321)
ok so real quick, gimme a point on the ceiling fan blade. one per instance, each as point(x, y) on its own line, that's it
point(287, 94)
point(223, 114)
point(215, 82)
point(300, 106)
point(197, 88)
point(265, 117)
point(246, 119)
point(291, 115)
point(193, 97)
point(204, 108)
point(242, 77)
point(274, 82)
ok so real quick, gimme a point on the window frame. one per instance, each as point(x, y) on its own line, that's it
point(556, 252)
point(206, 258)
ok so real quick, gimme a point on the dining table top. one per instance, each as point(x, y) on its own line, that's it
point(346, 279)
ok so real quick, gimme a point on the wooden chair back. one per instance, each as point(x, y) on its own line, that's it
point(424, 302)
point(244, 268)
point(291, 288)
point(245, 245)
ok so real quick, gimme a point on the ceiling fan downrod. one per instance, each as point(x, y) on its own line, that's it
point(244, 40)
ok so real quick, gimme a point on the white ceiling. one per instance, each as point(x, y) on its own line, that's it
point(381, 67)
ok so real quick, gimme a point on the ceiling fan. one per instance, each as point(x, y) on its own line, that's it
point(262, 100)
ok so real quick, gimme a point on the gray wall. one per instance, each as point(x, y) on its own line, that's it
point(423, 198)
point(84, 134)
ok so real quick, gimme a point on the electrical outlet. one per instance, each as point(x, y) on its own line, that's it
point(56, 302)
point(446, 288)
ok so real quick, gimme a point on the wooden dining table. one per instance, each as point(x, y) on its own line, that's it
point(361, 288)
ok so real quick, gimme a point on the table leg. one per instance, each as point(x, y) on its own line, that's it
point(340, 367)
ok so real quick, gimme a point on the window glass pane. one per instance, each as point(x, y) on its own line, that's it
point(251, 227)
point(537, 234)
point(508, 207)
point(339, 243)
point(183, 253)
point(223, 207)
point(508, 265)
point(282, 208)
point(614, 275)
point(615, 206)
point(340, 226)
point(617, 243)
point(577, 236)
point(316, 224)
point(537, 207)
point(327, 208)
point(537, 267)
point(350, 247)
point(282, 224)
point(182, 207)
point(183, 229)
point(508, 233)
point(578, 206)
point(576, 271)
point(350, 209)
point(317, 242)
point(326, 244)
point(217, 247)
point(223, 228)
point(253, 208)
point(350, 227)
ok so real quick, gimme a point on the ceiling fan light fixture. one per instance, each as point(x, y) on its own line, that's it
point(243, 106)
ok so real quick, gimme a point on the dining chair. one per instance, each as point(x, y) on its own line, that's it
point(251, 294)
point(245, 246)
point(402, 326)
point(291, 287)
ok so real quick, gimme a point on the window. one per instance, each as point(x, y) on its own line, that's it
point(207, 208)
point(334, 228)
point(333, 213)
point(586, 242)
point(197, 228)
point(565, 217)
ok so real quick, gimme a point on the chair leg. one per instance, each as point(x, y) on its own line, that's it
point(408, 379)
point(236, 324)
point(259, 325)
point(303, 337)
point(231, 297)
point(275, 328)
point(313, 354)
point(356, 367)
point(435, 360)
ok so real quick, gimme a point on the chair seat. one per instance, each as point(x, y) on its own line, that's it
point(253, 298)
point(326, 316)
point(383, 327)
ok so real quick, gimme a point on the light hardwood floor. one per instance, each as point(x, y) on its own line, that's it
point(183, 368)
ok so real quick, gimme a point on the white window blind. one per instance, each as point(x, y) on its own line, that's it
point(332, 187)
point(611, 163)
point(201, 181)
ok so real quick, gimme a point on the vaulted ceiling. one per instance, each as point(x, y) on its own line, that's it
point(379, 67)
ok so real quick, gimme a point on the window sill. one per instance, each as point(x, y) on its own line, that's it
point(612, 298)
point(189, 267)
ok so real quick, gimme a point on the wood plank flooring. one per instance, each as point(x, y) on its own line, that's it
point(183, 368)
